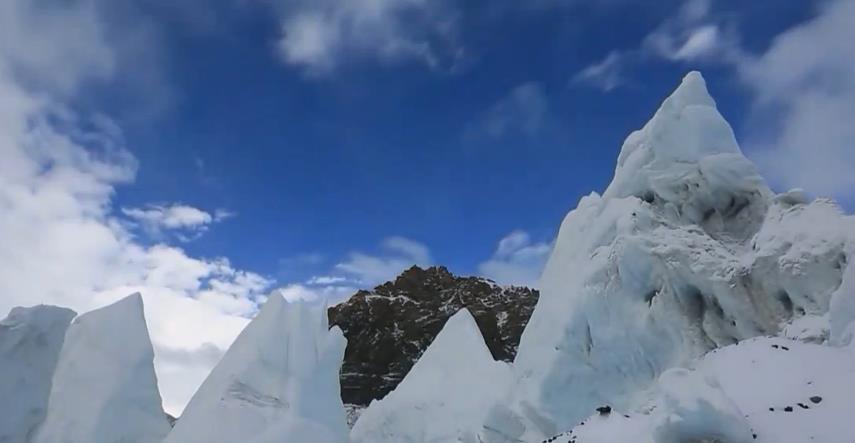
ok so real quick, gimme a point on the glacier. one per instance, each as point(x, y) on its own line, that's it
point(686, 251)
point(446, 395)
point(764, 389)
point(30, 342)
point(278, 382)
point(104, 389)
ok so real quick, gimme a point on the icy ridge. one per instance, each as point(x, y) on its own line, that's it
point(277, 382)
point(104, 388)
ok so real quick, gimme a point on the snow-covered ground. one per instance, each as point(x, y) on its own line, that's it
point(765, 389)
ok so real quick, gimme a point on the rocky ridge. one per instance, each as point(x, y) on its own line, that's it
point(388, 328)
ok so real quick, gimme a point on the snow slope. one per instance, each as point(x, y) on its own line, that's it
point(446, 395)
point(278, 383)
point(765, 390)
point(687, 250)
point(104, 388)
point(30, 342)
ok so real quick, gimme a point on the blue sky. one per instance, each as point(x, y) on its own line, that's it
point(323, 164)
point(204, 153)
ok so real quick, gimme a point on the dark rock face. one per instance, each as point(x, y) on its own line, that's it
point(389, 328)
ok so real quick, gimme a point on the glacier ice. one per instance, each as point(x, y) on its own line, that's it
point(30, 342)
point(445, 397)
point(764, 390)
point(278, 382)
point(687, 250)
point(104, 389)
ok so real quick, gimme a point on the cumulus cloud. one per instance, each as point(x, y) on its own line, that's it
point(517, 260)
point(188, 221)
point(61, 241)
point(320, 35)
point(804, 89)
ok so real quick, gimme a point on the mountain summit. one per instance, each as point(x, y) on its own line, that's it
point(389, 327)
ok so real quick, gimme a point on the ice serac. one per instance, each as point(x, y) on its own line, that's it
point(687, 250)
point(104, 388)
point(277, 383)
point(30, 341)
point(445, 397)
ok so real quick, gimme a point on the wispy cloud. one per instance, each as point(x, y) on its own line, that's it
point(523, 111)
point(395, 255)
point(693, 34)
point(517, 260)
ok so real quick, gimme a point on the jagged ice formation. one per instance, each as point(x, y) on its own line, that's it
point(277, 383)
point(104, 389)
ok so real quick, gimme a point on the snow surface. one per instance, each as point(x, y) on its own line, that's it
point(687, 250)
point(104, 389)
point(765, 390)
point(278, 383)
point(30, 342)
point(445, 397)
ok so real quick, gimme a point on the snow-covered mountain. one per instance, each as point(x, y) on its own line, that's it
point(30, 342)
point(389, 327)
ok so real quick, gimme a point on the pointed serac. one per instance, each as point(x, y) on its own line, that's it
point(30, 341)
point(278, 383)
point(687, 250)
point(445, 397)
point(104, 388)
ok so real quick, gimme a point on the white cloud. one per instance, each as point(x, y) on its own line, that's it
point(524, 110)
point(804, 87)
point(190, 222)
point(319, 292)
point(325, 280)
point(694, 34)
point(55, 50)
point(605, 74)
point(319, 35)
point(397, 254)
point(61, 241)
point(517, 260)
